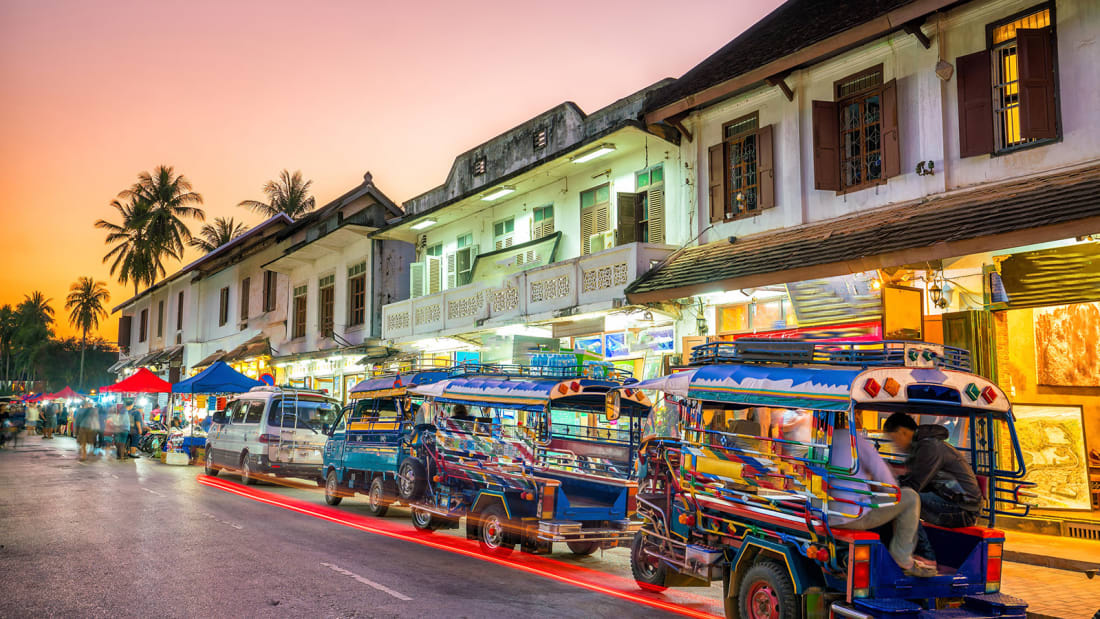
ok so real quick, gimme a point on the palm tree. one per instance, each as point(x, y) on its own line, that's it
point(288, 194)
point(214, 236)
point(170, 199)
point(34, 317)
point(85, 305)
point(135, 253)
point(7, 332)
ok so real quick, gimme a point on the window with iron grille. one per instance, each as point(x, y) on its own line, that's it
point(1007, 131)
point(223, 307)
point(300, 293)
point(859, 102)
point(741, 165)
point(357, 294)
point(326, 299)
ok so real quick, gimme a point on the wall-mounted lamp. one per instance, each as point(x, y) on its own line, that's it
point(589, 155)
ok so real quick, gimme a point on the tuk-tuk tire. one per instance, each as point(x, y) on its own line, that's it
point(583, 548)
point(768, 579)
point(650, 579)
point(412, 479)
point(423, 520)
point(333, 495)
point(495, 517)
point(378, 498)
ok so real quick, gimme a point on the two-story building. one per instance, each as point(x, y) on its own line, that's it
point(222, 306)
point(907, 169)
point(339, 279)
point(530, 242)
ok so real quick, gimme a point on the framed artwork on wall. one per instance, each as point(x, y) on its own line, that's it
point(1067, 345)
point(1052, 439)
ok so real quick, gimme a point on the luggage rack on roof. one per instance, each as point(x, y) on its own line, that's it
point(860, 354)
point(540, 371)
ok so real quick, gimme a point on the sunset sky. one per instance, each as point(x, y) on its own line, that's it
point(230, 93)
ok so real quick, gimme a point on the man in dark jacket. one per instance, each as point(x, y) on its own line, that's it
point(949, 491)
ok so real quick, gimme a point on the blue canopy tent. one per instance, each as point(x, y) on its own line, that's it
point(218, 378)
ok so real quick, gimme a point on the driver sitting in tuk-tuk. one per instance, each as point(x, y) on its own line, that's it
point(849, 514)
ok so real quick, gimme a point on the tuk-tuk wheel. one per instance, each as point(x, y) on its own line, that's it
point(494, 536)
point(424, 520)
point(412, 479)
point(767, 593)
point(377, 500)
point(583, 548)
point(332, 489)
point(648, 571)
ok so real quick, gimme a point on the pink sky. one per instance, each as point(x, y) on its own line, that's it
point(230, 93)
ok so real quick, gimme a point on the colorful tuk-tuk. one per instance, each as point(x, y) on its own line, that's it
point(725, 496)
point(365, 446)
point(528, 456)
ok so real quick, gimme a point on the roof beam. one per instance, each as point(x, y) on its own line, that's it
point(913, 28)
point(781, 81)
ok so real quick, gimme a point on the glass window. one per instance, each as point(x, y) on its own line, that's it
point(465, 240)
point(254, 413)
point(300, 311)
point(741, 160)
point(238, 412)
point(503, 233)
point(435, 250)
point(315, 414)
point(859, 101)
point(1006, 84)
point(326, 303)
point(649, 176)
point(733, 319)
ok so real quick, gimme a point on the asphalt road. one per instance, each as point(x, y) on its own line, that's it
point(139, 538)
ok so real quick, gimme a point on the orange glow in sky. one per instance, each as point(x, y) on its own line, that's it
point(230, 93)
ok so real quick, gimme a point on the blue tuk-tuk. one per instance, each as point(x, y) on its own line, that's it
point(528, 455)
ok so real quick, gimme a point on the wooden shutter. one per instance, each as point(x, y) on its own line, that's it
point(416, 279)
point(435, 280)
point(718, 193)
point(125, 325)
point(891, 141)
point(588, 228)
point(765, 168)
point(452, 271)
point(656, 222)
point(626, 229)
point(1038, 114)
point(246, 292)
point(603, 217)
point(975, 93)
point(826, 146)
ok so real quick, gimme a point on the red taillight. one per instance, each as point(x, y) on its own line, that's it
point(993, 568)
point(631, 500)
point(269, 438)
point(861, 575)
point(548, 503)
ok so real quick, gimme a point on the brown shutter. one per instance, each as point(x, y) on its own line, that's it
point(975, 93)
point(891, 142)
point(627, 207)
point(125, 325)
point(718, 193)
point(826, 146)
point(1038, 114)
point(765, 168)
point(656, 221)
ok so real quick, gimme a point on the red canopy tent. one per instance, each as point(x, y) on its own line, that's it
point(143, 381)
point(65, 394)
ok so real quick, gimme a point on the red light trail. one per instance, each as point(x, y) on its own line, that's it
point(532, 564)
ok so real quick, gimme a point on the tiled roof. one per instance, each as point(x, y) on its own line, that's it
point(992, 217)
point(795, 25)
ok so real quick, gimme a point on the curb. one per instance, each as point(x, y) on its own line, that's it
point(1058, 563)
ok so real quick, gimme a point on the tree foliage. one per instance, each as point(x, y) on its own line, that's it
point(287, 194)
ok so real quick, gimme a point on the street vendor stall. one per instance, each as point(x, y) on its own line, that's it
point(217, 380)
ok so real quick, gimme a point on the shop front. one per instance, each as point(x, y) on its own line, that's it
point(332, 372)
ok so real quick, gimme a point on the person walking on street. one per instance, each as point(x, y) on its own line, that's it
point(101, 436)
point(32, 417)
point(49, 421)
point(121, 422)
point(137, 428)
point(87, 426)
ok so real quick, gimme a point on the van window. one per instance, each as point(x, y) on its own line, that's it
point(239, 408)
point(255, 412)
point(309, 414)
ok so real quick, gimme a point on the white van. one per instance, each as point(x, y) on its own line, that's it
point(271, 430)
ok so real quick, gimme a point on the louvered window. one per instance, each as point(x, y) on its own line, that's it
point(650, 205)
point(503, 233)
point(542, 221)
point(595, 214)
point(326, 297)
point(357, 294)
point(299, 311)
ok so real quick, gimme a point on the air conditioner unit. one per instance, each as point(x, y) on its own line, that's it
point(464, 264)
point(417, 280)
point(601, 241)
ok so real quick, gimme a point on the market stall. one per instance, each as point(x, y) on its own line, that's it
point(205, 388)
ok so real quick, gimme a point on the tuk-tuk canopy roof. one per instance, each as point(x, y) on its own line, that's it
point(530, 394)
point(368, 387)
point(831, 388)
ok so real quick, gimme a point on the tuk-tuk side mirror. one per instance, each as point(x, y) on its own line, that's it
point(611, 405)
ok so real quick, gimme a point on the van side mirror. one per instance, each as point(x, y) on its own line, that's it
point(219, 417)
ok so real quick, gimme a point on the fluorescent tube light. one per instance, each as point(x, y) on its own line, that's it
point(424, 224)
point(499, 192)
point(599, 151)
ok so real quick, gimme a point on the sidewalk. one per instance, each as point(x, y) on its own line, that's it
point(1050, 593)
point(1063, 553)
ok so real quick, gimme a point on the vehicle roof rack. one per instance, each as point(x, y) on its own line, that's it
point(880, 353)
point(542, 371)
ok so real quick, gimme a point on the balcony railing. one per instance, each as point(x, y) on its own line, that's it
point(588, 283)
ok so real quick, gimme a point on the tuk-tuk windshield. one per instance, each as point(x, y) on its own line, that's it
point(375, 407)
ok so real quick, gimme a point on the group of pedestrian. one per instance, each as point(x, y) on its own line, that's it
point(106, 429)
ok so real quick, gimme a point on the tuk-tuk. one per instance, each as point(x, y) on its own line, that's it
point(528, 456)
point(365, 446)
point(725, 497)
